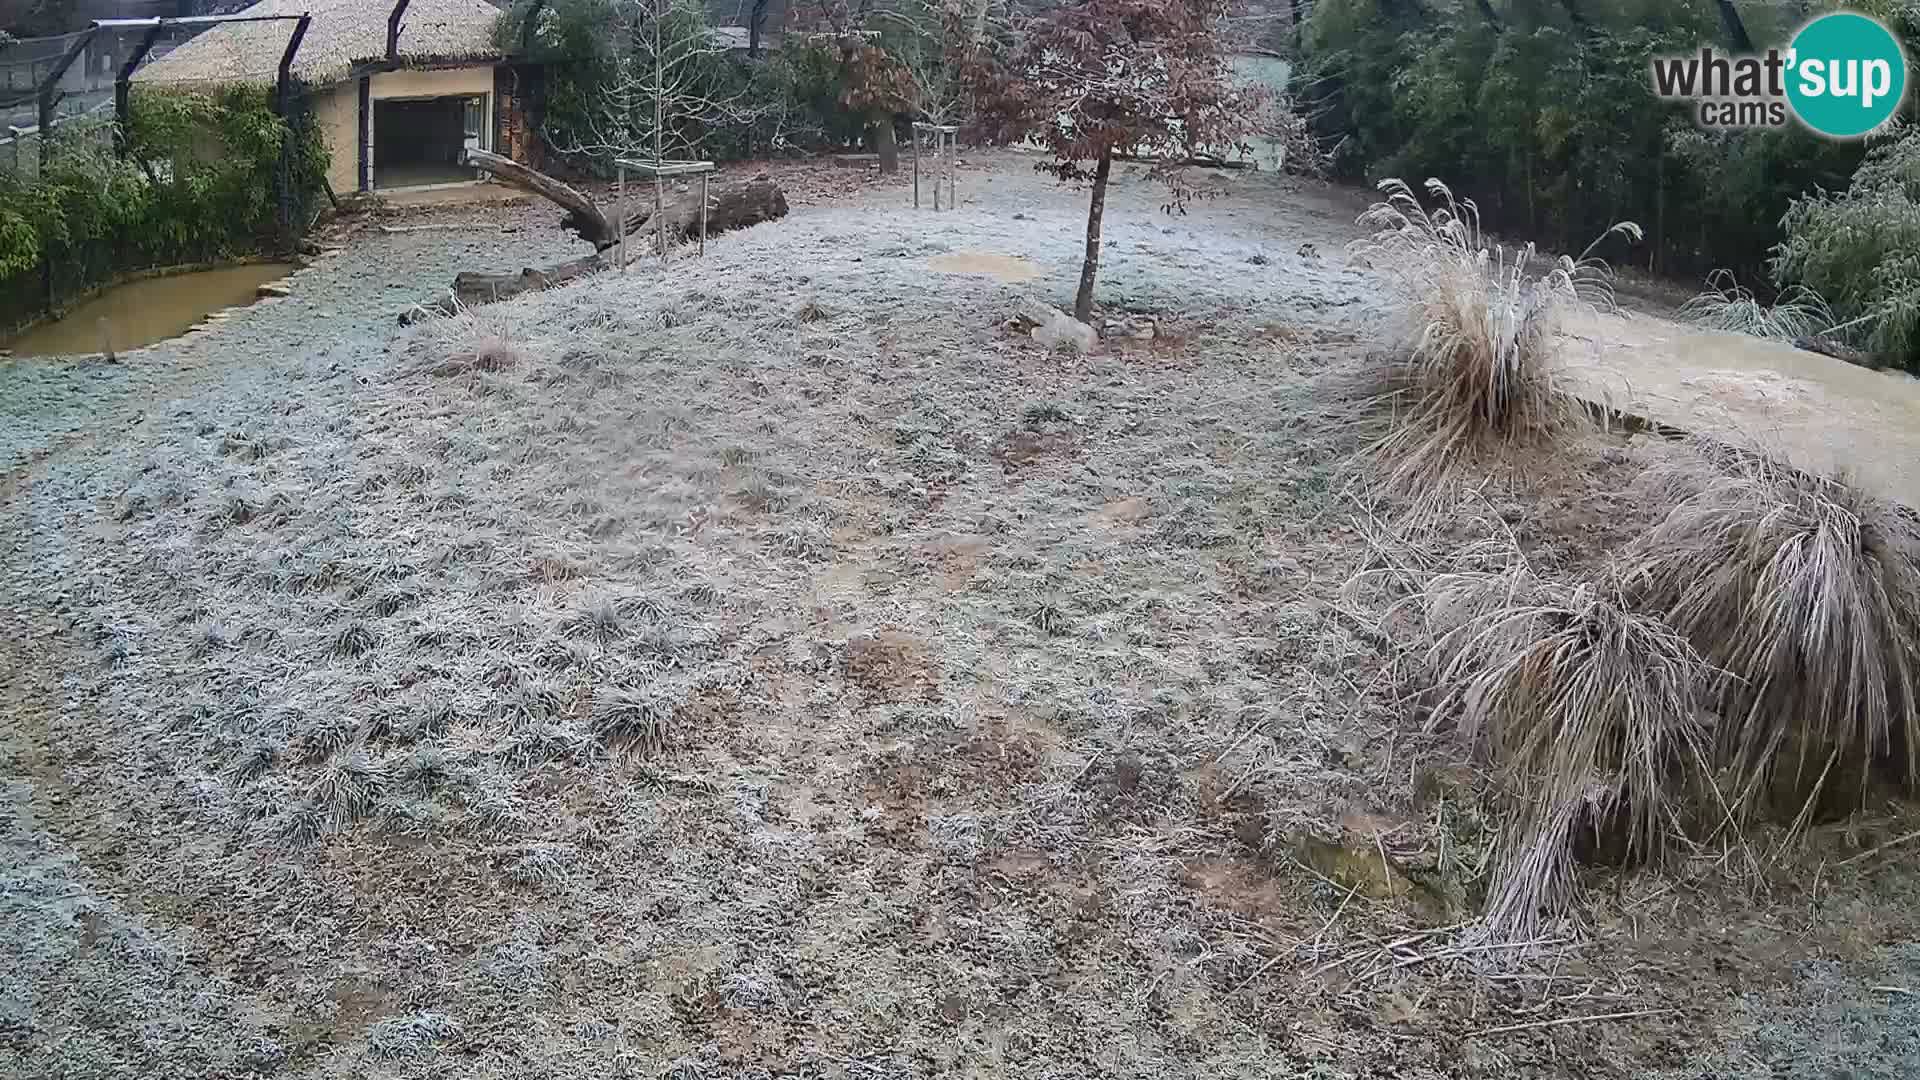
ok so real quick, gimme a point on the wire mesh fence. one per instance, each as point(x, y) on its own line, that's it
point(112, 174)
point(77, 74)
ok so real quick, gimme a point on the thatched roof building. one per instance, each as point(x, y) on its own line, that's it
point(345, 35)
point(391, 119)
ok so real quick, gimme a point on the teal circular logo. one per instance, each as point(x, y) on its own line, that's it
point(1846, 75)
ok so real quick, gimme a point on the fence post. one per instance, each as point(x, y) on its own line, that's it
point(123, 87)
point(282, 102)
point(393, 30)
point(52, 83)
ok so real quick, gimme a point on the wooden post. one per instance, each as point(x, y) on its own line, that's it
point(282, 107)
point(953, 172)
point(393, 30)
point(660, 215)
point(916, 166)
point(661, 171)
point(52, 84)
point(620, 219)
point(123, 87)
point(936, 171)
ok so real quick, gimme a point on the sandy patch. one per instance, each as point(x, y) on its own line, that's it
point(1002, 267)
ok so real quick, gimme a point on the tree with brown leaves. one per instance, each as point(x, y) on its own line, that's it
point(1096, 79)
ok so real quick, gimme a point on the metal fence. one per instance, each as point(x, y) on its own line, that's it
point(76, 89)
point(20, 146)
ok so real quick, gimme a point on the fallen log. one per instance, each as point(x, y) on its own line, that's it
point(471, 289)
point(1202, 161)
point(1828, 347)
point(730, 204)
point(582, 216)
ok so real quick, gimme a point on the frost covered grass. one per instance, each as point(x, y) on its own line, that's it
point(734, 598)
point(771, 665)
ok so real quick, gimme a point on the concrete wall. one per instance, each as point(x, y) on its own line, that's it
point(462, 81)
point(337, 110)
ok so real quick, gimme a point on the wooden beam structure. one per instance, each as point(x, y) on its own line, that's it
point(123, 85)
point(659, 171)
point(52, 83)
point(157, 25)
point(393, 30)
point(945, 136)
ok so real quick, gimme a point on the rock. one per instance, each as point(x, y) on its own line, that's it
point(1280, 568)
point(1055, 329)
point(1136, 327)
point(273, 289)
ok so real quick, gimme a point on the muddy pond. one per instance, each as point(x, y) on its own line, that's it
point(143, 312)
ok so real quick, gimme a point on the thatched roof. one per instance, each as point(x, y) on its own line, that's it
point(344, 33)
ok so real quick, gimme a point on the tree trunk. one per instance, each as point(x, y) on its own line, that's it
point(1577, 17)
point(1296, 30)
point(885, 144)
point(472, 289)
point(582, 216)
point(729, 205)
point(1736, 27)
point(1083, 301)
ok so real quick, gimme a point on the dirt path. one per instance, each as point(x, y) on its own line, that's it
point(1822, 414)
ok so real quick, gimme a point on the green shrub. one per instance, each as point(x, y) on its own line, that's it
point(1551, 125)
point(198, 183)
point(1861, 249)
point(725, 106)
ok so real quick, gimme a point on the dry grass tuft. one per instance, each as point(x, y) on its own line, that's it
point(1806, 592)
point(346, 791)
point(1728, 305)
point(641, 718)
point(416, 1035)
point(1476, 373)
point(1587, 710)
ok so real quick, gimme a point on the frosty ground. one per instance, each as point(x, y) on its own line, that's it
point(779, 665)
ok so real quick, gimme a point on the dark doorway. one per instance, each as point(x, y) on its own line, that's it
point(418, 141)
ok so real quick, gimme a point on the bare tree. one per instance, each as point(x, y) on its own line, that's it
point(931, 41)
point(1095, 79)
point(670, 86)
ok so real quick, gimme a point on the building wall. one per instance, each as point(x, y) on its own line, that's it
point(337, 110)
point(516, 92)
point(462, 81)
